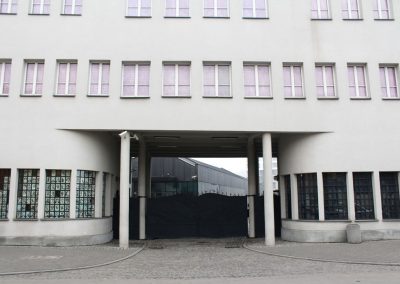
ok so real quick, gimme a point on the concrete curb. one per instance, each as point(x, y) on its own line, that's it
point(245, 246)
point(75, 268)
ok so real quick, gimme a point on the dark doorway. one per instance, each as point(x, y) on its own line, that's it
point(259, 216)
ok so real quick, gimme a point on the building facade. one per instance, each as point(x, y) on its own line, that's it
point(311, 82)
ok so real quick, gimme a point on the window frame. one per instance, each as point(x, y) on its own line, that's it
point(136, 64)
point(354, 66)
point(51, 179)
point(327, 189)
point(42, 6)
point(293, 90)
point(5, 196)
point(360, 192)
point(380, 10)
point(349, 16)
point(89, 184)
point(10, 8)
point(216, 78)
point(387, 85)
point(99, 87)
point(139, 10)
point(176, 74)
point(177, 10)
point(215, 10)
point(21, 214)
point(73, 8)
point(3, 65)
point(256, 66)
point(34, 80)
point(67, 78)
point(324, 79)
point(319, 11)
point(254, 9)
point(388, 212)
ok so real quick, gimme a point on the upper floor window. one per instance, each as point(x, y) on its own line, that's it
point(138, 8)
point(257, 80)
point(136, 77)
point(66, 78)
point(176, 81)
point(382, 9)
point(320, 9)
point(357, 81)
point(351, 9)
point(72, 7)
point(8, 6)
point(217, 80)
point(177, 8)
point(216, 8)
point(255, 9)
point(325, 81)
point(388, 76)
point(33, 83)
point(40, 7)
point(5, 74)
point(99, 78)
point(293, 81)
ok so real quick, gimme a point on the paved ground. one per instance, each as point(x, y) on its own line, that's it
point(206, 261)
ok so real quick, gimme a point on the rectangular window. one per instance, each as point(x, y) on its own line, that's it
point(57, 193)
point(99, 78)
point(257, 80)
point(72, 7)
point(217, 82)
point(85, 193)
point(363, 196)
point(320, 9)
point(335, 196)
point(34, 72)
point(27, 194)
point(138, 8)
point(390, 195)
point(5, 175)
point(382, 9)
point(357, 81)
point(40, 7)
point(136, 79)
point(216, 8)
point(177, 8)
point(308, 196)
point(66, 78)
point(325, 81)
point(293, 81)
point(176, 80)
point(5, 76)
point(351, 9)
point(255, 9)
point(388, 76)
point(288, 194)
point(8, 6)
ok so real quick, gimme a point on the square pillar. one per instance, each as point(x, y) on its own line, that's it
point(282, 192)
point(268, 190)
point(124, 190)
point(142, 181)
point(42, 193)
point(252, 186)
point(350, 197)
point(72, 194)
point(12, 195)
point(98, 197)
point(321, 204)
point(377, 196)
point(294, 197)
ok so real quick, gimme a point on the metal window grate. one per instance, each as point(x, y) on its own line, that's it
point(27, 194)
point(363, 196)
point(4, 192)
point(58, 184)
point(335, 196)
point(308, 196)
point(85, 193)
point(390, 195)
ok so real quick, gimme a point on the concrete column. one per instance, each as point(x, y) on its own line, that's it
point(142, 181)
point(282, 192)
point(252, 186)
point(377, 196)
point(350, 197)
point(98, 197)
point(321, 204)
point(72, 195)
point(268, 190)
point(124, 190)
point(42, 193)
point(294, 197)
point(12, 195)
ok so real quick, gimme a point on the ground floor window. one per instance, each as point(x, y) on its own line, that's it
point(4, 192)
point(85, 193)
point(58, 184)
point(288, 194)
point(335, 196)
point(390, 195)
point(308, 196)
point(363, 196)
point(27, 193)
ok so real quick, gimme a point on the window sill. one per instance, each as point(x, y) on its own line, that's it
point(259, 97)
point(322, 19)
point(384, 20)
point(30, 96)
point(328, 98)
point(361, 99)
point(64, 96)
point(176, 97)
point(366, 221)
point(217, 97)
point(37, 14)
point(4, 95)
point(177, 17)
point(97, 96)
point(255, 18)
point(8, 14)
point(26, 220)
point(390, 220)
point(4, 220)
point(350, 20)
point(138, 17)
point(391, 99)
point(62, 14)
point(56, 219)
point(295, 98)
point(135, 97)
point(215, 17)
